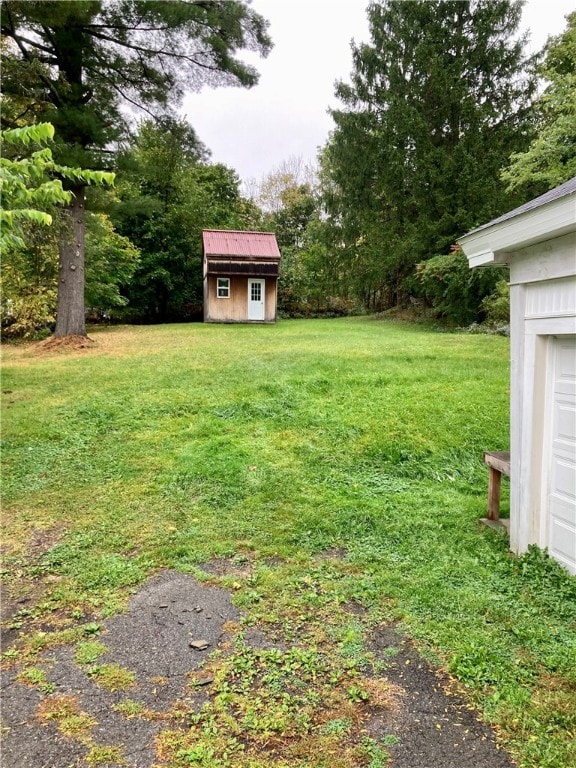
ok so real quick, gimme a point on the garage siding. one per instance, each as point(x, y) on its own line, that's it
point(562, 492)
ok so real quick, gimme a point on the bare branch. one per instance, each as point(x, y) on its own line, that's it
point(26, 55)
point(33, 43)
point(123, 94)
point(147, 52)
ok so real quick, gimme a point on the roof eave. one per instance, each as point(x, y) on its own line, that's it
point(241, 256)
point(494, 245)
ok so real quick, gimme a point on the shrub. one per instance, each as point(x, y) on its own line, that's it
point(497, 304)
point(29, 314)
point(452, 289)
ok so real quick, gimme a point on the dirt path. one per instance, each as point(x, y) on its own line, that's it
point(112, 709)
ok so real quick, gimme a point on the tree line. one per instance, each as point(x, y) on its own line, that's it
point(444, 124)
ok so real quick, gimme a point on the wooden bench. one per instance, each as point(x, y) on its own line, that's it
point(498, 463)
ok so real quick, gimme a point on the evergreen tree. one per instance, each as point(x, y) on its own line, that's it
point(83, 60)
point(437, 102)
point(168, 193)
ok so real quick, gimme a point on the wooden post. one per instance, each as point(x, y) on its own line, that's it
point(498, 463)
point(494, 479)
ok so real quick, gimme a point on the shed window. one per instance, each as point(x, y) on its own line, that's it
point(223, 287)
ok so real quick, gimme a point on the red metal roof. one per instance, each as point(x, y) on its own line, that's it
point(227, 242)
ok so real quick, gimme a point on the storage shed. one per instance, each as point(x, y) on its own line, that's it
point(538, 242)
point(240, 276)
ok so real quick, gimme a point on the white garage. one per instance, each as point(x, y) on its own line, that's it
point(561, 535)
point(538, 242)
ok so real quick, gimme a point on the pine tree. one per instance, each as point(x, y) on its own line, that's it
point(85, 61)
point(437, 102)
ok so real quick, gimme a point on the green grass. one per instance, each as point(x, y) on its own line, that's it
point(166, 446)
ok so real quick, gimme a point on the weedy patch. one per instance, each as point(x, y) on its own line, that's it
point(42, 640)
point(65, 712)
point(105, 756)
point(134, 710)
point(35, 678)
point(303, 705)
point(88, 651)
point(113, 677)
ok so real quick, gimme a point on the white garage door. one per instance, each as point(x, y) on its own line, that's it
point(562, 499)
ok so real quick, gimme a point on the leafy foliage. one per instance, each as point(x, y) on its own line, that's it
point(79, 63)
point(291, 205)
point(453, 289)
point(497, 304)
point(29, 311)
point(550, 159)
point(292, 222)
point(168, 194)
point(30, 276)
point(30, 196)
point(110, 262)
point(436, 103)
point(28, 189)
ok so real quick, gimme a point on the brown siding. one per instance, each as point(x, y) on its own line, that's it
point(270, 306)
point(235, 308)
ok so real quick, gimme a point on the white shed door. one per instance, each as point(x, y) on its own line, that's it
point(256, 295)
point(562, 497)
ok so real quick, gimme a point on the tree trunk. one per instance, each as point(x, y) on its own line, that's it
point(70, 317)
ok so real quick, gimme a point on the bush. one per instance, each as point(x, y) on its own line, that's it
point(453, 290)
point(497, 304)
point(29, 314)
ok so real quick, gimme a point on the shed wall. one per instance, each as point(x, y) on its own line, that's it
point(235, 308)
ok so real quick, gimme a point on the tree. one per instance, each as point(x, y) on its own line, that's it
point(437, 101)
point(27, 183)
point(30, 275)
point(290, 174)
point(550, 159)
point(30, 195)
point(168, 193)
point(86, 59)
point(289, 200)
point(299, 207)
point(111, 260)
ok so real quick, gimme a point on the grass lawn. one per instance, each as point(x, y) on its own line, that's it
point(164, 447)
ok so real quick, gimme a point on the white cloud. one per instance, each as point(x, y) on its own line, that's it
point(286, 114)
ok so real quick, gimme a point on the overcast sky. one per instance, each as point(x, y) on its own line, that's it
point(285, 115)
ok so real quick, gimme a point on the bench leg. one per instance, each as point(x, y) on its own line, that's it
point(494, 494)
